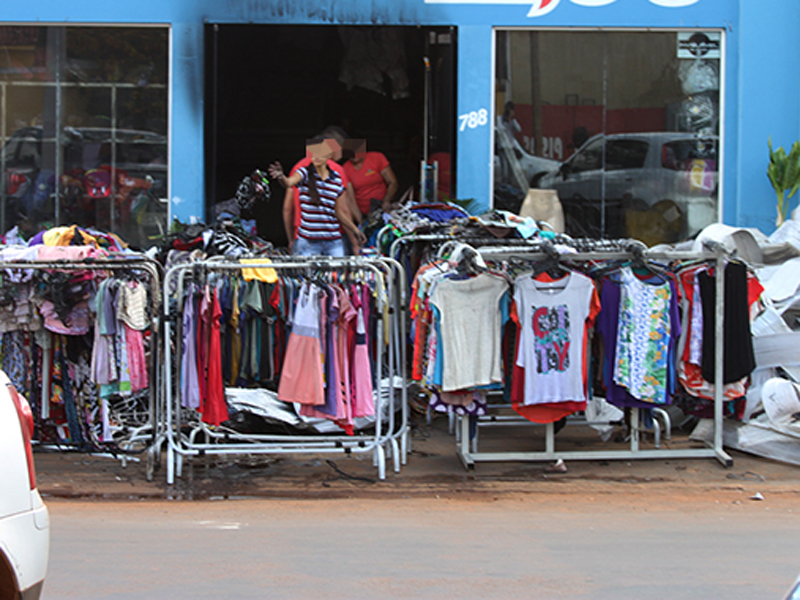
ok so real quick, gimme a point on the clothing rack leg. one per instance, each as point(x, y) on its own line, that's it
point(46, 379)
point(395, 454)
point(380, 459)
point(170, 465)
point(463, 444)
point(666, 423)
point(656, 430)
point(719, 344)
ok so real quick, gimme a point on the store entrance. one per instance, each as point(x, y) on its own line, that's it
point(271, 87)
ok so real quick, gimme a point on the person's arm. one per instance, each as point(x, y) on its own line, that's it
point(352, 204)
point(276, 172)
point(391, 187)
point(288, 215)
point(357, 237)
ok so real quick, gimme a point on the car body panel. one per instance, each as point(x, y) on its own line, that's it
point(24, 519)
point(523, 164)
point(26, 545)
point(15, 497)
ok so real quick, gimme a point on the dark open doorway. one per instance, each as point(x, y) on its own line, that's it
point(270, 87)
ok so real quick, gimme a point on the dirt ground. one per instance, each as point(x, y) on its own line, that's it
point(432, 470)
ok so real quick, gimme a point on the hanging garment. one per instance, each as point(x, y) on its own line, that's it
point(552, 352)
point(136, 358)
point(235, 334)
point(333, 392)
point(123, 360)
point(608, 325)
point(345, 324)
point(215, 410)
point(700, 391)
point(190, 386)
point(251, 308)
point(302, 376)
point(132, 305)
point(643, 338)
point(544, 412)
point(470, 329)
point(738, 357)
point(363, 402)
point(203, 342)
point(104, 361)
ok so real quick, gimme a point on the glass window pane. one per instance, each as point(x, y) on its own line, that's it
point(24, 56)
point(623, 125)
point(84, 134)
point(109, 54)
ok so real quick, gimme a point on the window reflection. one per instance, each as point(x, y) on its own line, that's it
point(84, 129)
point(624, 126)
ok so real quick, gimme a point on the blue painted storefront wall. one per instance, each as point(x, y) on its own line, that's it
point(761, 90)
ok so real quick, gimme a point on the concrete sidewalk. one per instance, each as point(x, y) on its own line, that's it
point(432, 469)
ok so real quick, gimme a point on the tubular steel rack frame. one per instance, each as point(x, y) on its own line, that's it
point(145, 432)
point(392, 435)
point(470, 456)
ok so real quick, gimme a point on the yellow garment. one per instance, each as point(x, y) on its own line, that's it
point(52, 236)
point(260, 274)
point(63, 236)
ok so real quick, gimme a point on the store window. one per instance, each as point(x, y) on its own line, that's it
point(83, 128)
point(624, 125)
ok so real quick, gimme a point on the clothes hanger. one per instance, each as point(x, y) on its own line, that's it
point(551, 264)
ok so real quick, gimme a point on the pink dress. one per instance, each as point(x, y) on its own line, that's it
point(302, 378)
point(347, 315)
point(363, 403)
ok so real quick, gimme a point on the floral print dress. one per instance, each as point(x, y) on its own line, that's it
point(642, 347)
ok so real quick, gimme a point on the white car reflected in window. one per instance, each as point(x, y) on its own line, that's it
point(617, 185)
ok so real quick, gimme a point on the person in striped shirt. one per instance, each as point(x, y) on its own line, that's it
point(323, 204)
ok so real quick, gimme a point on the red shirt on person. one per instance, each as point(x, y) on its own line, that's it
point(368, 180)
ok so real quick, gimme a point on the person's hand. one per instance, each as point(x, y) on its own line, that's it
point(275, 171)
point(361, 239)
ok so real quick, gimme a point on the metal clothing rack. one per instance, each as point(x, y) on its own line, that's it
point(146, 430)
point(471, 455)
point(520, 244)
point(390, 437)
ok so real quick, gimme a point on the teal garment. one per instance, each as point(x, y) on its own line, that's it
point(251, 305)
point(267, 319)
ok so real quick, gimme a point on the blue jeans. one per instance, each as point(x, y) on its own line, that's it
point(304, 247)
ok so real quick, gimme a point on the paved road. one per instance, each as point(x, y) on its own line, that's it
point(526, 546)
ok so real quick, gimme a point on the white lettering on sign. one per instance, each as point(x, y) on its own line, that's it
point(553, 147)
point(473, 119)
point(543, 7)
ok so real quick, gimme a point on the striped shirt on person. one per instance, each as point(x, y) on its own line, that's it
point(318, 221)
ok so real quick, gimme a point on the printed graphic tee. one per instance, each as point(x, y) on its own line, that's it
point(551, 349)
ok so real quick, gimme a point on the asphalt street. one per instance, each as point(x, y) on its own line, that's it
point(540, 546)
